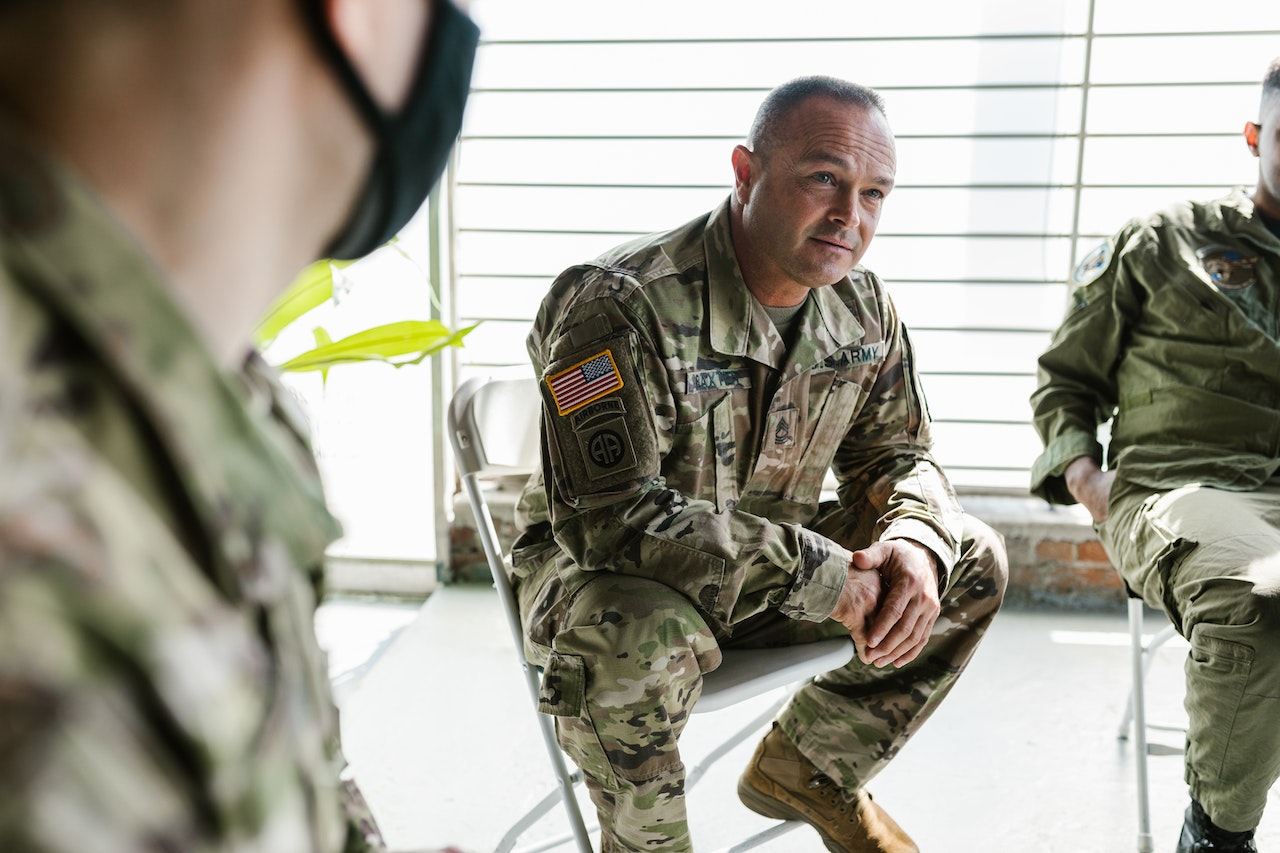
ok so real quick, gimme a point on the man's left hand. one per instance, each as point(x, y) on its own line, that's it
point(903, 622)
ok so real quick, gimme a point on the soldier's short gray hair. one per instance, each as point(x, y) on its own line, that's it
point(778, 104)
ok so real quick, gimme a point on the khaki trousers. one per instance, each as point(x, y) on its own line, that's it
point(1210, 559)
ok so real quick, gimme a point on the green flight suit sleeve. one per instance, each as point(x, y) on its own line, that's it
point(1076, 375)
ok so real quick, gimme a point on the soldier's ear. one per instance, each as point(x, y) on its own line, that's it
point(744, 172)
point(1251, 130)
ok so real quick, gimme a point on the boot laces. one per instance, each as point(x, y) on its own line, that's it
point(836, 796)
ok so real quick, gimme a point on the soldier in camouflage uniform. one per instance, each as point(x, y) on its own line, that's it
point(698, 386)
point(162, 527)
point(1173, 330)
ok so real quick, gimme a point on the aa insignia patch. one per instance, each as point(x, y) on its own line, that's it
point(587, 380)
point(605, 447)
point(1093, 264)
point(608, 448)
point(1228, 268)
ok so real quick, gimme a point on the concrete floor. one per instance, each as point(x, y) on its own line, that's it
point(1023, 756)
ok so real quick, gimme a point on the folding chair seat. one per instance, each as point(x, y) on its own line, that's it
point(494, 426)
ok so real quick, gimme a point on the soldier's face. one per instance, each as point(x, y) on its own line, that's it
point(1265, 143)
point(811, 204)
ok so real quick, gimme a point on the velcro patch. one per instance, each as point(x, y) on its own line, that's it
point(716, 379)
point(606, 447)
point(588, 380)
point(603, 442)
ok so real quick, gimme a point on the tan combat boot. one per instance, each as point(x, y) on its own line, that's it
point(781, 783)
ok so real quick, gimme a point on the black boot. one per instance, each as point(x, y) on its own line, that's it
point(1200, 835)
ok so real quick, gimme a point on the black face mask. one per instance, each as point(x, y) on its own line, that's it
point(413, 146)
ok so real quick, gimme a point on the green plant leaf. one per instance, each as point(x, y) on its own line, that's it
point(312, 288)
point(398, 344)
point(322, 339)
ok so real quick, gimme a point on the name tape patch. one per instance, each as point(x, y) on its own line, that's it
point(858, 356)
point(715, 379)
point(589, 379)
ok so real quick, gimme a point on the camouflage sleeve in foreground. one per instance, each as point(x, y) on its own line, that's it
point(142, 710)
point(162, 531)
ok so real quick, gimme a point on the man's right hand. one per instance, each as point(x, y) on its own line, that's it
point(857, 605)
point(889, 601)
point(1090, 485)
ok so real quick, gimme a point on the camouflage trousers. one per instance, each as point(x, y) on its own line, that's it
point(623, 666)
point(1210, 559)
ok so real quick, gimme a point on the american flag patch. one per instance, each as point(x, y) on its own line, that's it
point(585, 381)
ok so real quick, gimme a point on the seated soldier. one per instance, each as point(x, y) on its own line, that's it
point(698, 385)
point(1174, 333)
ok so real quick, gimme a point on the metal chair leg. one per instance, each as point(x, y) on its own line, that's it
point(1138, 655)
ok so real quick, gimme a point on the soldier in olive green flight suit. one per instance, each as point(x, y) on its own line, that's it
point(698, 387)
point(165, 170)
point(1174, 331)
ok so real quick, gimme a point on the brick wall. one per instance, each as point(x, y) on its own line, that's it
point(1055, 559)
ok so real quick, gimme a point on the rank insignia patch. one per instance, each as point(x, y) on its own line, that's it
point(782, 434)
point(1228, 268)
point(587, 380)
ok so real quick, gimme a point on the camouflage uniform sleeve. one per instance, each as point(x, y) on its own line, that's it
point(1076, 380)
point(611, 507)
point(888, 479)
point(140, 710)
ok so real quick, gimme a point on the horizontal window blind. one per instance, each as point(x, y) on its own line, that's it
point(1026, 133)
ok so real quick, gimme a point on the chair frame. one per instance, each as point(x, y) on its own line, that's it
point(743, 673)
point(1141, 653)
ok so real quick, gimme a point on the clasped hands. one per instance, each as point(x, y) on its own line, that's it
point(890, 601)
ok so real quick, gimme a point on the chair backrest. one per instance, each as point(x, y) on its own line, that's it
point(494, 430)
point(494, 425)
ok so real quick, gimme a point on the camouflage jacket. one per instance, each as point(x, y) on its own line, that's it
point(161, 537)
point(1174, 327)
point(684, 441)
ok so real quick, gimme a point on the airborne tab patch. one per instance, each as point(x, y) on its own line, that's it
point(589, 379)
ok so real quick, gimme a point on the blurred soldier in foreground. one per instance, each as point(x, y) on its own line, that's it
point(1174, 332)
point(697, 387)
point(166, 167)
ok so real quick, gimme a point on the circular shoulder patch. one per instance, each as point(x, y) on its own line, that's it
point(1229, 268)
point(1093, 264)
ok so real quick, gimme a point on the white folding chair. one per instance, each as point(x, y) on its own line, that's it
point(494, 427)
point(1135, 713)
